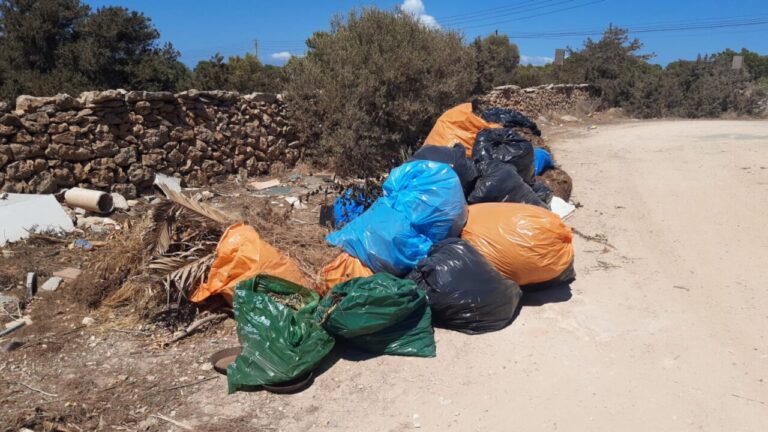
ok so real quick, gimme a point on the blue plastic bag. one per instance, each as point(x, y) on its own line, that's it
point(347, 207)
point(383, 239)
point(542, 161)
point(430, 194)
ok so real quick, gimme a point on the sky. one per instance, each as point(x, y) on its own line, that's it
point(200, 28)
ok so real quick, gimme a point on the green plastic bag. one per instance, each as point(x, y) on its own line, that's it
point(280, 340)
point(380, 314)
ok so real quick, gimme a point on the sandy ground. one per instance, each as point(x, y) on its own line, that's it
point(664, 330)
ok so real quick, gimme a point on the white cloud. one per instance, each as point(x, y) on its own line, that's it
point(535, 60)
point(416, 9)
point(282, 56)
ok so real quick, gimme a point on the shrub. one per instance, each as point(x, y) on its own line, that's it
point(370, 88)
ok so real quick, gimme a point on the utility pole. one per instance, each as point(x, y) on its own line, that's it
point(559, 57)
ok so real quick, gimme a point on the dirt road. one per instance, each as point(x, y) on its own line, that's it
point(665, 329)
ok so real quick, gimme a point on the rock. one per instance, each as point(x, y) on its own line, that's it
point(142, 108)
point(136, 96)
point(44, 183)
point(90, 98)
point(26, 103)
point(125, 156)
point(569, 118)
point(7, 130)
point(52, 284)
point(68, 153)
point(88, 321)
point(119, 202)
point(128, 191)
point(68, 137)
point(24, 151)
point(20, 170)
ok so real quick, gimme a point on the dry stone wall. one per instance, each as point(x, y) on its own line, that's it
point(541, 100)
point(117, 140)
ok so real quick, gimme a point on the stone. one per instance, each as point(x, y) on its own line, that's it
point(102, 97)
point(68, 137)
point(67, 102)
point(102, 178)
point(6, 155)
point(26, 103)
point(105, 149)
point(136, 96)
point(63, 177)
point(7, 130)
point(20, 170)
point(43, 183)
point(175, 157)
point(125, 156)
point(23, 137)
point(52, 284)
point(152, 160)
point(142, 108)
point(140, 176)
point(68, 153)
point(127, 190)
point(24, 151)
point(88, 321)
point(119, 202)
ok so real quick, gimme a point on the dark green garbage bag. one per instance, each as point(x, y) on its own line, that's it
point(280, 340)
point(380, 314)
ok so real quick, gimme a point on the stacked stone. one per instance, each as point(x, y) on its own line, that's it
point(116, 140)
point(537, 101)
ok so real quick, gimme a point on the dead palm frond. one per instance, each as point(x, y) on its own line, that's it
point(204, 210)
point(186, 278)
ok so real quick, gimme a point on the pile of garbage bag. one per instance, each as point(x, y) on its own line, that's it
point(456, 237)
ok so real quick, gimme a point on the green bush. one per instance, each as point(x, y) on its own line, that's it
point(370, 88)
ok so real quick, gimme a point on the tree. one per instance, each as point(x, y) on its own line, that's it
point(372, 87)
point(243, 74)
point(50, 46)
point(496, 59)
point(613, 64)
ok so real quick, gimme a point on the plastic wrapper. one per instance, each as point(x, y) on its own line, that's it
point(458, 125)
point(430, 195)
point(464, 291)
point(455, 157)
point(343, 268)
point(510, 119)
point(242, 254)
point(380, 314)
point(383, 239)
point(505, 145)
point(525, 243)
point(352, 203)
point(500, 182)
point(281, 341)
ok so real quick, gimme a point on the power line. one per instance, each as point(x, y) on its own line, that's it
point(549, 12)
point(651, 28)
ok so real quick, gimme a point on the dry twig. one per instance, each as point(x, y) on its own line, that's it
point(38, 390)
point(192, 327)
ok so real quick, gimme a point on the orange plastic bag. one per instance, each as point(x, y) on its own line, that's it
point(342, 269)
point(458, 125)
point(241, 254)
point(525, 243)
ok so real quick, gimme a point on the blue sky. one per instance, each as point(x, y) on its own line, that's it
point(200, 28)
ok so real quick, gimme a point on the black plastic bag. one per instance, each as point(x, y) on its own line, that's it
point(456, 157)
point(464, 291)
point(566, 277)
point(509, 119)
point(500, 182)
point(505, 145)
point(542, 191)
